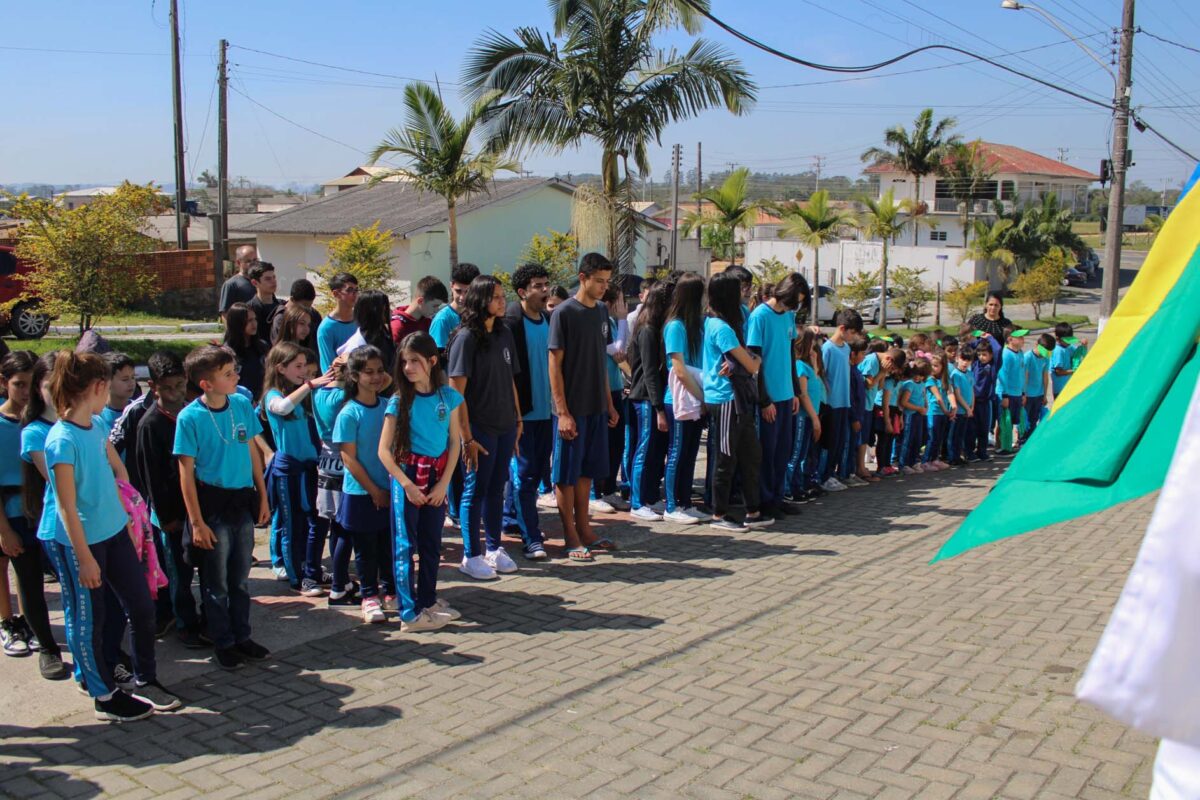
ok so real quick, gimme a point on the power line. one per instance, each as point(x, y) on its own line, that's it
point(1140, 124)
point(1167, 41)
point(91, 52)
point(297, 124)
point(343, 69)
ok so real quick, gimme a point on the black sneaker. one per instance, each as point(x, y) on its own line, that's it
point(158, 697)
point(761, 521)
point(194, 640)
point(228, 658)
point(122, 708)
point(26, 633)
point(252, 650)
point(727, 524)
point(123, 678)
point(52, 667)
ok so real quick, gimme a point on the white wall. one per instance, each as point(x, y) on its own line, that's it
point(842, 259)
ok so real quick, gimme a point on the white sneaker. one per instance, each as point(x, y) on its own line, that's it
point(854, 482)
point(442, 607)
point(697, 514)
point(547, 501)
point(681, 517)
point(425, 621)
point(601, 507)
point(617, 502)
point(647, 513)
point(372, 611)
point(833, 485)
point(499, 561)
point(280, 573)
point(477, 568)
point(449, 522)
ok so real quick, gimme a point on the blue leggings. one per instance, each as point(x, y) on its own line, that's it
point(913, 438)
point(682, 449)
point(525, 471)
point(415, 529)
point(938, 426)
point(483, 491)
point(297, 535)
point(802, 466)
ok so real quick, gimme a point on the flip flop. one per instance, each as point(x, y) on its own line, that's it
point(580, 554)
point(605, 545)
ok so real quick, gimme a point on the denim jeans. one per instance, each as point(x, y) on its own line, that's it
point(776, 440)
point(225, 578)
point(938, 426)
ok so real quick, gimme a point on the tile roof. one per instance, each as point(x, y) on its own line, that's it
point(1005, 158)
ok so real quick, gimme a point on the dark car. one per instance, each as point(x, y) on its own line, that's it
point(25, 320)
point(1075, 277)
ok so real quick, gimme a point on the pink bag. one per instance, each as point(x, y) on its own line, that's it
point(142, 534)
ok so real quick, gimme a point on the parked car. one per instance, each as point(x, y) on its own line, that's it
point(1089, 263)
point(25, 320)
point(1075, 277)
point(826, 306)
point(869, 309)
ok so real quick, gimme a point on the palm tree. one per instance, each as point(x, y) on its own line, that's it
point(990, 246)
point(438, 150)
point(884, 219)
point(814, 224)
point(599, 77)
point(1154, 224)
point(729, 209)
point(918, 154)
point(965, 169)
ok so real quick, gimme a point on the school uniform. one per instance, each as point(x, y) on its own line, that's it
point(292, 487)
point(219, 440)
point(837, 376)
point(1010, 383)
point(683, 444)
point(936, 419)
point(772, 333)
point(332, 334)
point(489, 370)
point(531, 338)
point(914, 423)
point(885, 437)
point(582, 333)
point(418, 529)
point(732, 429)
point(802, 466)
point(1061, 357)
point(103, 520)
point(1036, 369)
point(443, 325)
point(326, 403)
point(647, 389)
point(621, 441)
point(964, 384)
point(869, 369)
point(369, 527)
point(983, 377)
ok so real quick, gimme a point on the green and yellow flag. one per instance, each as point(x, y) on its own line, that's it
point(1113, 430)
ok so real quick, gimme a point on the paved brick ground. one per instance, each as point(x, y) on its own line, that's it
point(824, 658)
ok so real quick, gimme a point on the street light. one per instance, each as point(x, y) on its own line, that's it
point(1120, 146)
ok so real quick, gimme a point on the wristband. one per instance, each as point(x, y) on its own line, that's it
point(309, 384)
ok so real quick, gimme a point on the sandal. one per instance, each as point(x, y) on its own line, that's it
point(605, 545)
point(580, 554)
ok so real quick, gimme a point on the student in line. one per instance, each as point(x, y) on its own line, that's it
point(446, 321)
point(221, 478)
point(264, 304)
point(1038, 380)
point(483, 363)
point(418, 315)
point(337, 328)
point(419, 448)
point(646, 399)
point(121, 388)
point(327, 401)
point(300, 303)
point(683, 336)
point(241, 337)
point(836, 356)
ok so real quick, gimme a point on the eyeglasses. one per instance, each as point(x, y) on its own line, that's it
point(349, 289)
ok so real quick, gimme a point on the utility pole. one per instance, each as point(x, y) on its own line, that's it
point(818, 161)
point(676, 153)
point(1116, 200)
point(221, 230)
point(1062, 154)
point(699, 181)
point(181, 219)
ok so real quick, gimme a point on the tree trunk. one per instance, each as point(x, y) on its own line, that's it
point(610, 176)
point(816, 286)
point(453, 213)
point(916, 205)
point(883, 295)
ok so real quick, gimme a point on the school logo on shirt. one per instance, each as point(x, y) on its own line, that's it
point(441, 411)
point(604, 329)
point(507, 357)
point(240, 433)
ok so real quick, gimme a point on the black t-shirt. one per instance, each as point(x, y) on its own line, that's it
point(489, 372)
point(582, 334)
point(237, 289)
point(264, 310)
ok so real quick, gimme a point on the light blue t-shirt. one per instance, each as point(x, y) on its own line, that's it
point(815, 384)
point(33, 440)
point(362, 426)
point(1010, 377)
point(1035, 374)
point(219, 440)
point(616, 378)
point(774, 331)
point(869, 369)
point(429, 419)
point(837, 373)
point(96, 499)
point(964, 382)
point(537, 346)
point(719, 339)
point(891, 388)
point(327, 402)
point(10, 464)
point(332, 334)
point(932, 406)
point(109, 416)
point(293, 437)
point(916, 395)
point(443, 324)
point(675, 340)
point(1061, 357)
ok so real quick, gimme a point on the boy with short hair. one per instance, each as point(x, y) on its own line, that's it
point(1037, 381)
point(1010, 383)
point(431, 295)
point(962, 384)
point(221, 478)
point(302, 295)
point(264, 303)
point(1062, 360)
point(983, 375)
point(337, 328)
point(835, 354)
point(446, 320)
point(854, 465)
point(120, 390)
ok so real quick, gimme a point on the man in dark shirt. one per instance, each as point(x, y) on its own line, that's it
point(579, 333)
point(239, 289)
point(264, 302)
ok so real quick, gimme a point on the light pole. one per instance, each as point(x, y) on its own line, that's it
point(1120, 147)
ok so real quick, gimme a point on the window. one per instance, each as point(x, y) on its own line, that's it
point(937, 236)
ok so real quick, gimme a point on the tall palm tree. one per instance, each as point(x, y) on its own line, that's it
point(729, 209)
point(599, 77)
point(966, 169)
point(438, 151)
point(884, 218)
point(990, 246)
point(919, 153)
point(814, 224)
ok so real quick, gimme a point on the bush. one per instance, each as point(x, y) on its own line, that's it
point(858, 289)
point(769, 272)
point(366, 253)
point(909, 292)
point(558, 253)
point(1044, 282)
point(963, 298)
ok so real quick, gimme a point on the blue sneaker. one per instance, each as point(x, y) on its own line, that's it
point(534, 552)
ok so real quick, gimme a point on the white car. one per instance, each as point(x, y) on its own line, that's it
point(826, 305)
point(869, 309)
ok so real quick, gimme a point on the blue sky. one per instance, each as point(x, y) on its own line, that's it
point(78, 117)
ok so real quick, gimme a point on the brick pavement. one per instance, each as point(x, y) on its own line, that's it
point(823, 658)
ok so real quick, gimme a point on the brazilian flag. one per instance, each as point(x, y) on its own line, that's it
point(1113, 430)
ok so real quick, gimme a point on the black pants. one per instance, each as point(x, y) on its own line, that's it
point(735, 442)
point(28, 567)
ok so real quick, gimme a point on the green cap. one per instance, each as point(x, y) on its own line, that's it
point(978, 334)
point(1020, 332)
point(1071, 339)
point(1043, 352)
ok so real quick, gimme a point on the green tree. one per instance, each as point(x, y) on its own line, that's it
point(963, 298)
point(1043, 283)
point(769, 272)
point(883, 220)
point(918, 153)
point(990, 246)
point(728, 210)
point(814, 223)
point(86, 259)
point(719, 241)
point(599, 77)
point(910, 293)
point(965, 169)
point(858, 289)
point(558, 253)
point(366, 253)
point(437, 149)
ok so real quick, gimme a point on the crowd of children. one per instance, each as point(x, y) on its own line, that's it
point(469, 413)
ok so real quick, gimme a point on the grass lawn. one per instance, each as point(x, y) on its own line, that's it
point(1075, 320)
point(1085, 227)
point(135, 318)
point(137, 349)
point(1130, 241)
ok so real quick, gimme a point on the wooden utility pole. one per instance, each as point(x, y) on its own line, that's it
point(699, 181)
point(676, 152)
point(221, 229)
point(181, 218)
point(1111, 280)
